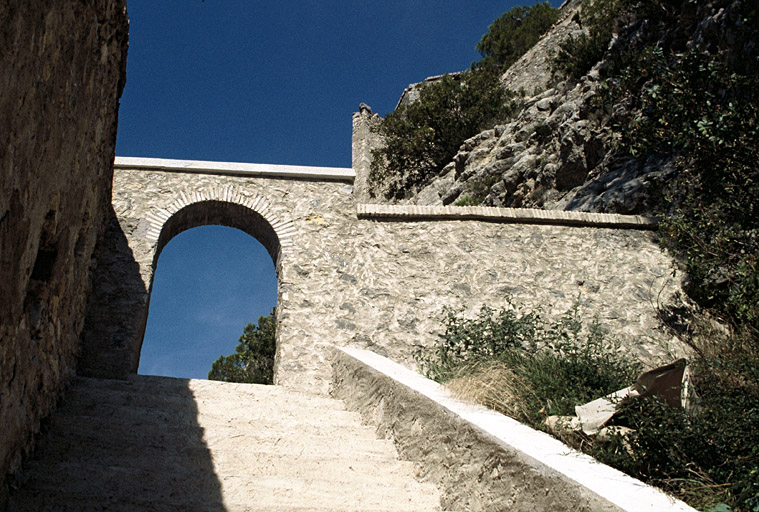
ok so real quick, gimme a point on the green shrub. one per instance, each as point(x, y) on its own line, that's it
point(467, 200)
point(696, 108)
point(558, 363)
point(476, 191)
point(515, 362)
point(514, 33)
point(577, 54)
point(601, 19)
point(700, 109)
point(708, 457)
point(423, 136)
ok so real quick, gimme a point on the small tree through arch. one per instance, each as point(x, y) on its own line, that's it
point(253, 360)
point(209, 282)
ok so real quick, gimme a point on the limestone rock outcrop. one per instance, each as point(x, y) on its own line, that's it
point(558, 151)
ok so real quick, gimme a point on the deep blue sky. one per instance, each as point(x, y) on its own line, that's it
point(266, 82)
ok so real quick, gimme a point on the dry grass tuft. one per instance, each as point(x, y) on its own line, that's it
point(494, 385)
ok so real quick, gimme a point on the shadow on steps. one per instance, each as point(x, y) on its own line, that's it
point(121, 445)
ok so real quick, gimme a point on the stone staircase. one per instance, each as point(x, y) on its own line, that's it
point(163, 444)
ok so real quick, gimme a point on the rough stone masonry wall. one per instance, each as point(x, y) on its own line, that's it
point(363, 142)
point(62, 70)
point(383, 284)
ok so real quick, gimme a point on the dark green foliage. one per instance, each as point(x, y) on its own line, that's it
point(477, 190)
point(601, 19)
point(560, 365)
point(700, 108)
point(577, 54)
point(708, 457)
point(696, 107)
point(515, 32)
point(422, 137)
point(488, 335)
point(253, 361)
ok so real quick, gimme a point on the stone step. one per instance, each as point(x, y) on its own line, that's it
point(274, 398)
point(160, 444)
point(241, 419)
point(229, 451)
point(67, 430)
point(279, 404)
point(240, 490)
point(26, 501)
point(196, 464)
point(155, 385)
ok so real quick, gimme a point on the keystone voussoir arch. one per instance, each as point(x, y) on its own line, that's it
point(282, 229)
point(155, 200)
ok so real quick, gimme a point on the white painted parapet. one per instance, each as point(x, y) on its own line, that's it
point(237, 168)
point(482, 460)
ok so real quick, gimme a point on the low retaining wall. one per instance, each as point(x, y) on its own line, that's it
point(482, 460)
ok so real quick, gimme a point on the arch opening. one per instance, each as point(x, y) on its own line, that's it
point(214, 272)
point(221, 213)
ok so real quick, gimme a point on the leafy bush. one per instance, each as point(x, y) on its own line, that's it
point(515, 362)
point(706, 458)
point(477, 190)
point(600, 19)
point(695, 107)
point(699, 108)
point(467, 200)
point(553, 365)
point(253, 360)
point(577, 54)
point(514, 33)
point(423, 136)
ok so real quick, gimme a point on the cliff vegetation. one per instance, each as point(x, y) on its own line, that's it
point(623, 106)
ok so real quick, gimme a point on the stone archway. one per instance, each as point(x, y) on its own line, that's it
point(204, 207)
point(118, 309)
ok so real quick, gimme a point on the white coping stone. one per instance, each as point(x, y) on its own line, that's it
point(612, 485)
point(236, 168)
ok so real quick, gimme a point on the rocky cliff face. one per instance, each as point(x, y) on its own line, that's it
point(557, 152)
point(62, 70)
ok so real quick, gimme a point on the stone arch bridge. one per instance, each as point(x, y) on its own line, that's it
point(366, 275)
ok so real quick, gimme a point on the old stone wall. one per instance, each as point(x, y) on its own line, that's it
point(62, 70)
point(381, 281)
